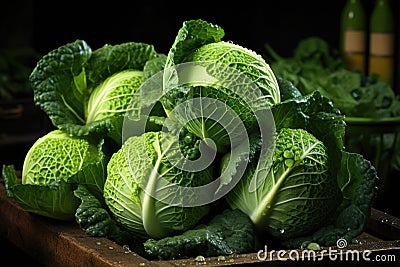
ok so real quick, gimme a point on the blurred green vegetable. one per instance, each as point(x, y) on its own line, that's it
point(16, 64)
point(317, 66)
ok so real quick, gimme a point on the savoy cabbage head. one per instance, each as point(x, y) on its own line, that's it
point(53, 167)
point(314, 184)
point(139, 183)
point(242, 76)
point(113, 96)
point(297, 188)
point(86, 92)
point(57, 155)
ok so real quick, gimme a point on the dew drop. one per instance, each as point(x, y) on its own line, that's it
point(385, 220)
point(221, 258)
point(200, 258)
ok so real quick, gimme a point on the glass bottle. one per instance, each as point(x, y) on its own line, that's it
point(381, 42)
point(353, 37)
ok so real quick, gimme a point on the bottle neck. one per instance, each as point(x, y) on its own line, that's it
point(382, 18)
point(353, 16)
point(381, 3)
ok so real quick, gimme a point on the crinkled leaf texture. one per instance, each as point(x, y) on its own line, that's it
point(93, 218)
point(56, 199)
point(297, 187)
point(201, 41)
point(356, 177)
point(358, 181)
point(352, 177)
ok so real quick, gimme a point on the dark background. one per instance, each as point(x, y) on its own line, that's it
point(47, 25)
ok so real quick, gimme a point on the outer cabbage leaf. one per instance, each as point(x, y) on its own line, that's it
point(198, 103)
point(95, 220)
point(359, 189)
point(192, 35)
point(111, 59)
point(154, 66)
point(230, 232)
point(199, 41)
point(287, 89)
point(315, 113)
point(59, 82)
point(54, 200)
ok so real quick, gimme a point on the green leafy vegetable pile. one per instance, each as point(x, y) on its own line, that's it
point(135, 189)
point(317, 66)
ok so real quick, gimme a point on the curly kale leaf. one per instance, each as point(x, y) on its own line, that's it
point(315, 50)
point(227, 233)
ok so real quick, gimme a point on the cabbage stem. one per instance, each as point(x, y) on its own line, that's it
point(151, 223)
point(261, 211)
